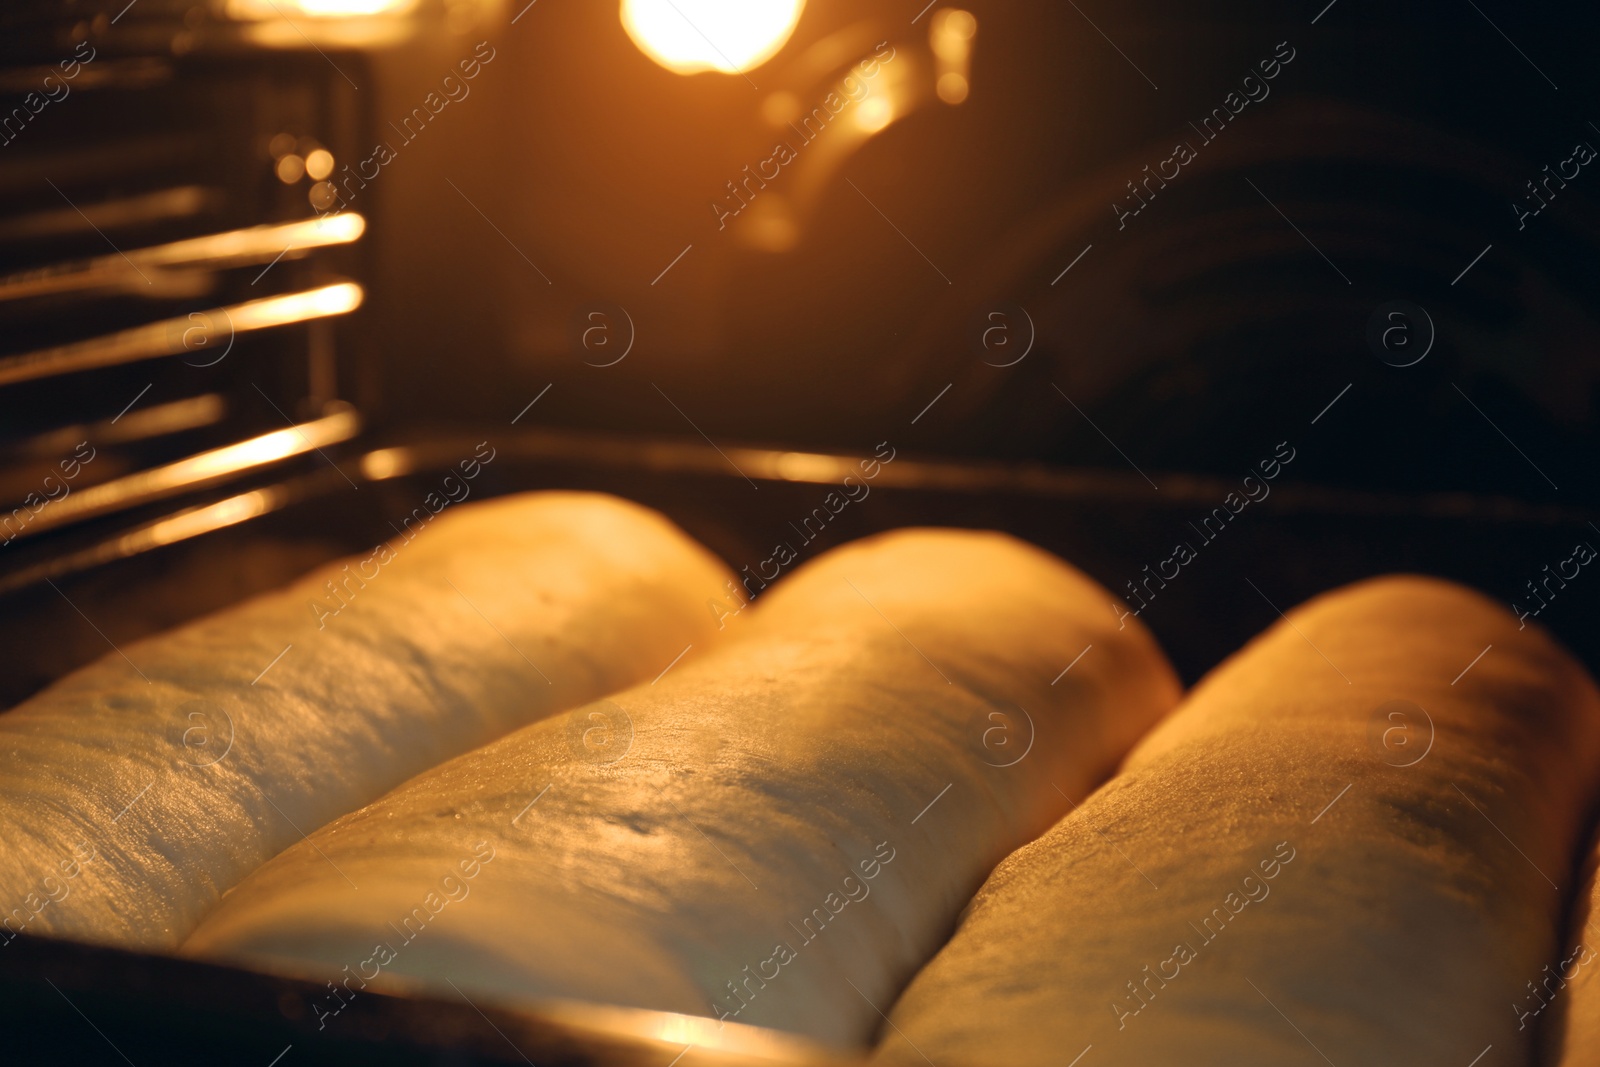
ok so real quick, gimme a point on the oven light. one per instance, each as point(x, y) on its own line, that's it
point(731, 36)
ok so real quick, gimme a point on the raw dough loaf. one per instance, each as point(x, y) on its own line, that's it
point(1562, 1001)
point(1265, 883)
point(128, 804)
point(793, 831)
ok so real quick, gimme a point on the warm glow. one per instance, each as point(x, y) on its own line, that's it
point(952, 24)
point(291, 168)
point(336, 299)
point(256, 452)
point(950, 34)
point(686, 1029)
point(204, 520)
point(319, 164)
point(386, 463)
point(810, 467)
point(953, 88)
point(694, 35)
point(337, 8)
point(780, 107)
point(206, 468)
point(193, 333)
point(270, 447)
point(322, 9)
point(874, 113)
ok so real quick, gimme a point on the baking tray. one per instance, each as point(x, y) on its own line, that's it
point(63, 602)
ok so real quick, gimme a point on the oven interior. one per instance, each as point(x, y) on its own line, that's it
point(271, 269)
